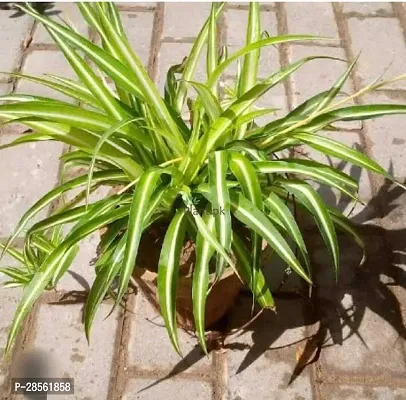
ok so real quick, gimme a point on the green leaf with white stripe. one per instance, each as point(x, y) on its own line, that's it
point(143, 192)
point(168, 271)
point(276, 206)
point(247, 178)
point(204, 253)
point(317, 171)
point(310, 199)
point(218, 166)
point(248, 77)
point(262, 294)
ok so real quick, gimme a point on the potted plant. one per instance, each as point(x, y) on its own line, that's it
point(193, 201)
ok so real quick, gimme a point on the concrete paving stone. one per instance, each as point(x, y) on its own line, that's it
point(319, 75)
point(236, 36)
point(175, 388)
point(374, 60)
point(351, 392)
point(388, 136)
point(173, 53)
point(30, 170)
point(5, 88)
point(14, 32)
point(311, 18)
point(350, 259)
point(394, 213)
point(370, 339)
point(135, 4)
point(70, 13)
point(368, 8)
point(191, 15)
point(257, 371)
point(55, 64)
point(138, 27)
point(151, 349)
point(9, 299)
point(61, 339)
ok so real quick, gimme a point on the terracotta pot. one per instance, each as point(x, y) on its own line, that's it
point(220, 299)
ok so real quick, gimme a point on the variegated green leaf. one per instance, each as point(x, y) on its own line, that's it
point(220, 203)
point(168, 269)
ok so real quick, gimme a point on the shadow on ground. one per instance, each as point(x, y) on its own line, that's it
point(43, 8)
point(323, 316)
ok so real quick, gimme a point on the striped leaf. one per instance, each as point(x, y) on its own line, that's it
point(310, 199)
point(168, 270)
point(204, 253)
point(246, 176)
point(220, 203)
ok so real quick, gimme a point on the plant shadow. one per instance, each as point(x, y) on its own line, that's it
point(43, 8)
point(306, 323)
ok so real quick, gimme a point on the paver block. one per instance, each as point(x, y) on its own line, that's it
point(369, 334)
point(4, 88)
point(61, 338)
point(375, 59)
point(351, 392)
point(55, 64)
point(135, 5)
point(388, 137)
point(174, 53)
point(257, 371)
point(236, 39)
point(138, 27)
point(150, 347)
point(68, 12)
point(9, 299)
point(317, 76)
point(175, 388)
point(30, 170)
point(191, 15)
point(311, 18)
point(13, 33)
point(368, 8)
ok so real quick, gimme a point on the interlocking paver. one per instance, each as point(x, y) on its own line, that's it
point(375, 59)
point(180, 389)
point(311, 18)
point(60, 335)
point(257, 371)
point(8, 303)
point(14, 31)
point(195, 14)
point(67, 12)
point(30, 170)
point(362, 312)
point(150, 348)
point(138, 27)
point(55, 64)
point(388, 137)
point(368, 9)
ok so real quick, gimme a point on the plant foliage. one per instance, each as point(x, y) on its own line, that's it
point(132, 137)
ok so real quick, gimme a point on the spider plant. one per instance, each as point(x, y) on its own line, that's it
point(133, 138)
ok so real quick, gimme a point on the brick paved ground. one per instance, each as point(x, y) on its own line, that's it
point(359, 323)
